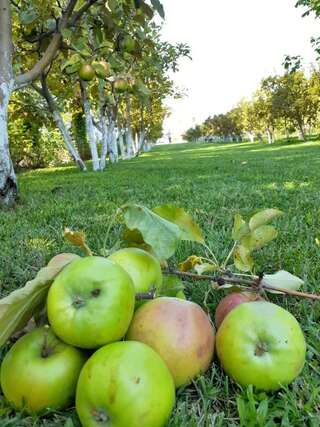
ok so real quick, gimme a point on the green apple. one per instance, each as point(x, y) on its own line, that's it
point(91, 303)
point(180, 331)
point(143, 268)
point(120, 85)
point(86, 72)
point(125, 384)
point(231, 301)
point(261, 344)
point(40, 372)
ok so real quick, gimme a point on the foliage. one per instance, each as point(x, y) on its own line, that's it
point(282, 103)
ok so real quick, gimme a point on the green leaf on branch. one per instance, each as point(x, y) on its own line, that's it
point(172, 286)
point(158, 7)
point(263, 217)
point(28, 16)
point(242, 259)
point(162, 235)
point(282, 279)
point(190, 230)
point(259, 238)
point(19, 307)
point(240, 227)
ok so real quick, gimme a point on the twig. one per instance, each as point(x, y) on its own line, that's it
point(255, 283)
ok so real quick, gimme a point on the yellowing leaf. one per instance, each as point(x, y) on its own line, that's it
point(190, 230)
point(263, 217)
point(259, 238)
point(205, 268)
point(242, 259)
point(77, 238)
point(282, 279)
point(162, 235)
point(17, 308)
point(189, 263)
point(240, 227)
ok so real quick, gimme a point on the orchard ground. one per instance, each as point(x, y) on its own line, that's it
point(212, 182)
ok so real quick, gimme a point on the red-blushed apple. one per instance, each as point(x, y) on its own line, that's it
point(41, 372)
point(125, 384)
point(231, 301)
point(91, 302)
point(143, 268)
point(180, 331)
point(261, 344)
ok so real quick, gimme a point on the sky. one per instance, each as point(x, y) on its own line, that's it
point(234, 45)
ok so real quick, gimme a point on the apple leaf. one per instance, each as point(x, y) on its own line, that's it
point(240, 227)
point(190, 230)
point(189, 263)
point(171, 287)
point(17, 308)
point(132, 236)
point(162, 235)
point(263, 217)
point(259, 238)
point(205, 268)
point(158, 7)
point(242, 259)
point(282, 279)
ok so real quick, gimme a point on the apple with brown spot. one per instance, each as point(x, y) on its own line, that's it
point(231, 301)
point(180, 331)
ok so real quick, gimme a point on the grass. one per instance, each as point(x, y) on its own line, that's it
point(212, 182)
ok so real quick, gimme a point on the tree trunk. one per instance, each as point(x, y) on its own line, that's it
point(121, 145)
point(8, 180)
point(302, 132)
point(103, 125)
point(89, 126)
point(251, 136)
point(54, 110)
point(128, 130)
point(269, 136)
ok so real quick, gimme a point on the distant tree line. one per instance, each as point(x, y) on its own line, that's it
point(283, 104)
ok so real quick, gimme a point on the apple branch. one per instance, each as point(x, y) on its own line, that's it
point(255, 283)
point(68, 18)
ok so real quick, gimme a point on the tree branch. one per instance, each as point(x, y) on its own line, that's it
point(255, 283)
point(68, 18)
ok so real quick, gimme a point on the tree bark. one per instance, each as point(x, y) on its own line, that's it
point(54, 110)
point(121, 145)
point(8, 180)
point(302, 132)
point(129, 143)
point(89, 126)
point(103, 125)
point(269, 136)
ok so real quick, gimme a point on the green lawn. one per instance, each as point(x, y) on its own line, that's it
point(212, 182)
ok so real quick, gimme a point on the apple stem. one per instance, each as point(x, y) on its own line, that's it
point(144, 296)
point(255, 283)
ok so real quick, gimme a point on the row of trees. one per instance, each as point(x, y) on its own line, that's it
point(94, 72)
point(281, 104)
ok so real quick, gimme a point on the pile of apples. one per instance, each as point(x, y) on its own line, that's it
point(121, 360)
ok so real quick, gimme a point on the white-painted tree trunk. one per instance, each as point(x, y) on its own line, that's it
point(129, 142)
point(112, 142)
point(142, 138)
point(68, 140)
point(103, 125)
point(57, 117)
point(89, 126)
point(302, 132)
point(8, 180)
point(269, 136)
point(121, 145)
point(251, 136)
